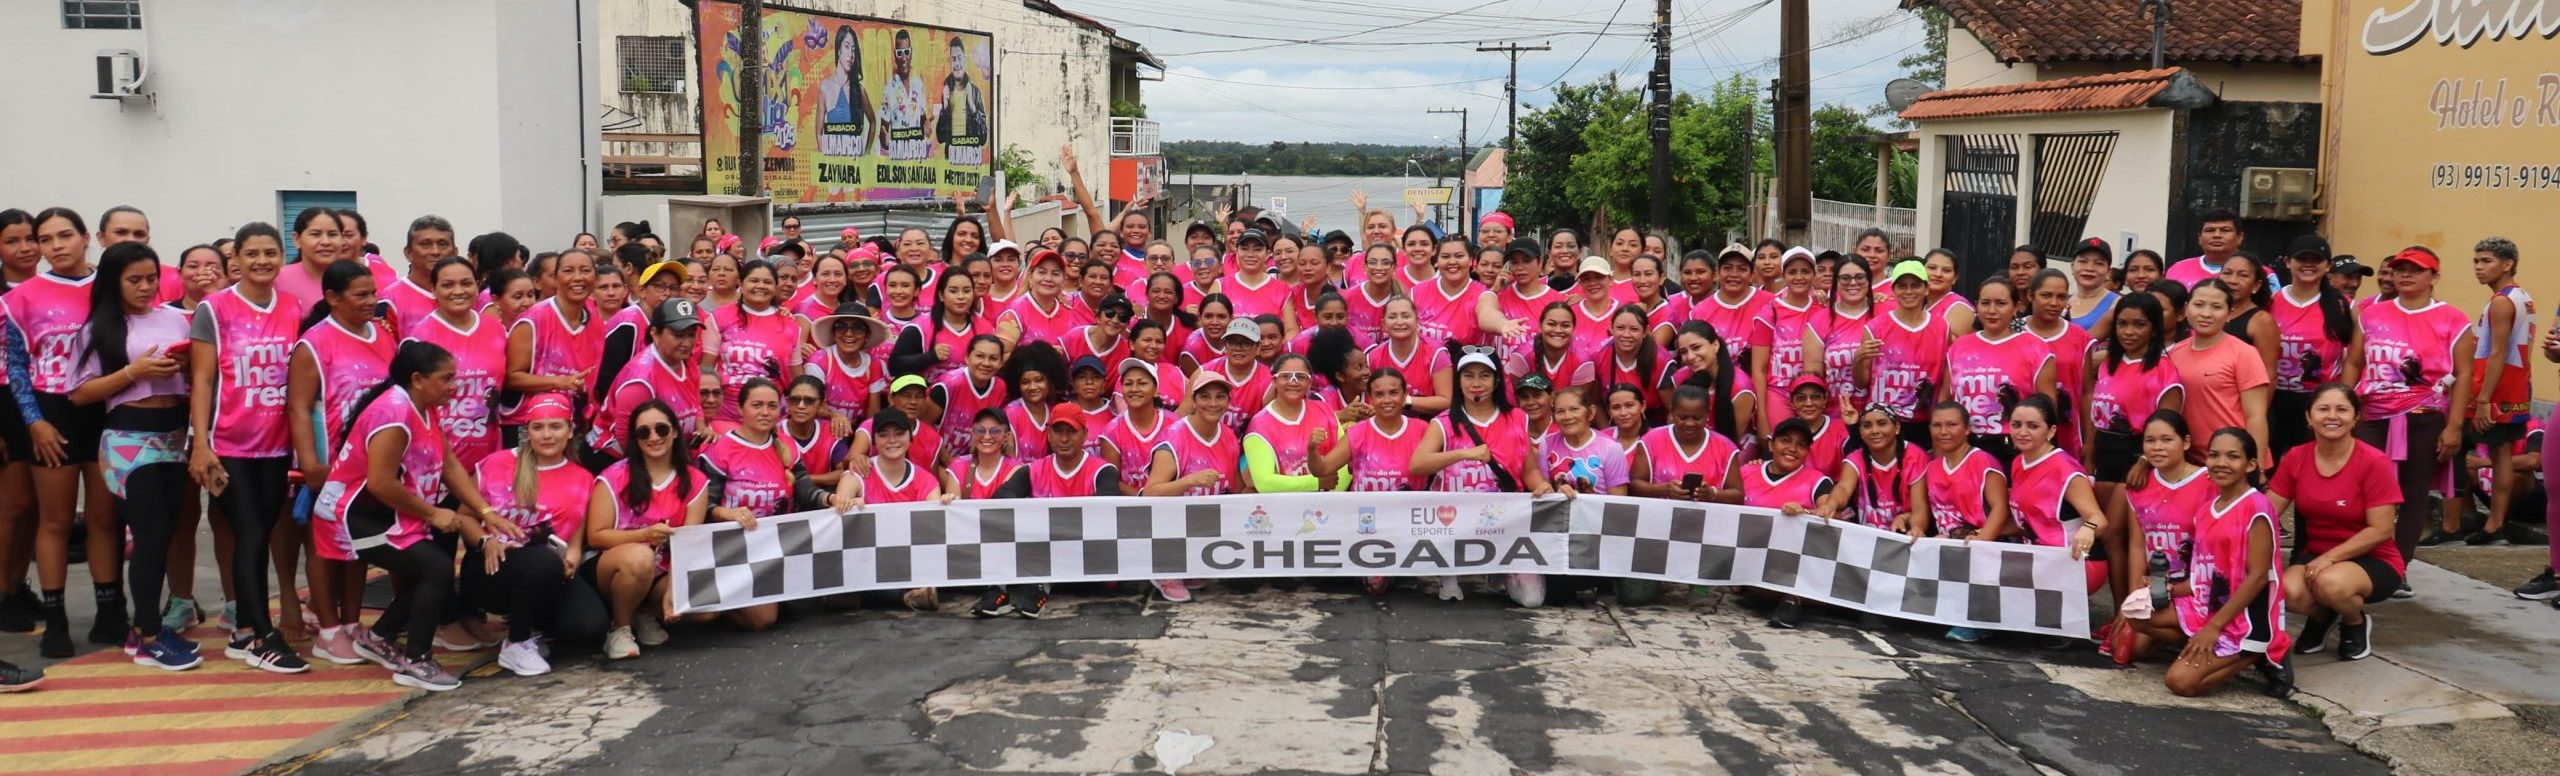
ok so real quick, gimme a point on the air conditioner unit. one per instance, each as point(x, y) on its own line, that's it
point(119, 74)
point(2278, 193)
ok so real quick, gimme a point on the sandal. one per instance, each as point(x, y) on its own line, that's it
point(922, 599)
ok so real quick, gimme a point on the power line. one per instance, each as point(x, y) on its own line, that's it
point(1327, 88)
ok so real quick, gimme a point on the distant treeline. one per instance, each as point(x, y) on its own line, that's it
point(1222, 157)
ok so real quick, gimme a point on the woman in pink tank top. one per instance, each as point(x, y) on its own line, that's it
point(243, 338)
point(2128, 380)
point(1207, 345)
point(1481, 445)
point(2231, 608)
point(1375, 455)
point(1967, 490)
point(1945, 304)
point(1787, 482)
point(1037, 377)
point(2047, 487)
point(758, 338)
point(344, 351)
point(479, 349)
point(1988, 371)
point(2048, 295)
point(1704, 361)
point(2154, 523)
point(1526, 301)
point(1777, 334)
point(1904, 358)
point(941, 342)
point(1551, 354)
point(1843, 331)
point(1202, 456)
point(557, 345)
point(1453, 306)
point(1685, 459)
point(45, 318)
point(636, 506)
point(961, 394)
point(1404, 352)
point(538, 488)
point(1883, 476)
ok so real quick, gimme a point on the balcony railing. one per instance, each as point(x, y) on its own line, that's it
point(1134, 137)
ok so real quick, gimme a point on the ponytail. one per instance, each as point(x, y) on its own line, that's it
point(415, 358)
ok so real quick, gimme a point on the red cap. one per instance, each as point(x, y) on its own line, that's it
point(2420, 256)
point(1806, 378)
point(1068, 414)
point(550, 406)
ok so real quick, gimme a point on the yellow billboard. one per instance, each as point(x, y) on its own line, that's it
point(854, 109)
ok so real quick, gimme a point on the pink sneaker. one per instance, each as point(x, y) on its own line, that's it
point(1174, 591)
point(336, 645)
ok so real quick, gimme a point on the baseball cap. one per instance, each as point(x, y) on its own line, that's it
point(1200, 227)
point(1525, 246)
point(1595, 264)
point(2308, 245)
point(1209, 377)
point(1116, 299)
point(1338, 236)
point(1243, 327)
point(1001, 246)
point(1044, 255)
point(676, 314)
point(1794, 426)
point(1734, 250)
point(2097, 245)
point(1068, 414)
point(1083, 363)
point(1253, 236)
point(1804, 379)
point(1537, 383)
point(766, 246)
point(550, 406)
point(1906, 268)
point(1127, 364)
point(905, 382)
point(1496, 217)
point(2421, 257)
point(664, 267)
point(1794, 255)
point(2348, 265)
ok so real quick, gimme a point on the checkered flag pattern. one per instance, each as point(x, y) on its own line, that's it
point(1982, 584)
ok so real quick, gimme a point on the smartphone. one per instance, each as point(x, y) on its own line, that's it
point(1689, 483)
point(176, 350)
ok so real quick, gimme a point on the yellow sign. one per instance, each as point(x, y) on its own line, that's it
point(854, 109)
point(1429, 196)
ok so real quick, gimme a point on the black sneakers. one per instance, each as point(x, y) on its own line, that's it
point(111, 626)
point(2355, 642)
point(1033, 602)
point(2279, 675)
point(2315, 636)
point(2436, 537)
point(992, 603)
point(15, 679)
point(1787, 614)
point(2542, 588)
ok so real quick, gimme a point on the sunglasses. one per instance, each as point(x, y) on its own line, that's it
point(1075, 254)
point(849, 327)
point(1292, 376)
point(652, 431)
point(1115, 315)
point(988, 431)
point(803, 401)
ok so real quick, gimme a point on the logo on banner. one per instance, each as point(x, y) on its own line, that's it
point(1258, 523)
point(1368, 521)
point(1489, 521)
point(1434, 521)
point(1311, 520)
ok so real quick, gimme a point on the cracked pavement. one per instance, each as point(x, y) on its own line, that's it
point(1331, 682)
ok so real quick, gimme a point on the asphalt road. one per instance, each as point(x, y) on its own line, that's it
point(1328, 682)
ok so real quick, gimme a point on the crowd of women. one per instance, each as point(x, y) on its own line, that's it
point(518, 433)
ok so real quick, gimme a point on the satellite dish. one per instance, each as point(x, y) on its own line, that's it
point(1903, 91)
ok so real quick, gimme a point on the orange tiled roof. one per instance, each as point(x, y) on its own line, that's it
point(2112, 91)
point(2116, 31)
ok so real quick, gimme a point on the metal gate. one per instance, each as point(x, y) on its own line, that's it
point(1978, 219)
point(2068, 170)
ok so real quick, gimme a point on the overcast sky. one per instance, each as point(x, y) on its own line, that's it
point(1239, 69)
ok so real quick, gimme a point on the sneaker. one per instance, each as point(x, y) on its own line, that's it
point(1527, 590)
point(269, 653)
point(1789, 612)
point(425, 674)
point(373, 647)
point(18, 611)
point(648, 631)
point(2405, 591)
point(111, 627)
point(181, 614)
point(56, 641)
point(618, 644)
point(132, 642)
point(1032, 603)
point(168, 652)
point(2521, 535)
point(2542, 587)
point(337, 645)
point(452, 637)
point(15, 679)
point(2355, 642)
point(1376, 587)
point(1450, 591)
point(1174, 591)
point(2485, 537)
point(2279, 675)
point(523, 657)
point(2436, 537)
point(1964, 635)
point(481, 631)
point(992, 603)
point(2315, 636)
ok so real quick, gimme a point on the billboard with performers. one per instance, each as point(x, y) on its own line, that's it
point(854, 109)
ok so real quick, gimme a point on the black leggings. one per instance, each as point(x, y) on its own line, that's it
point(149, 509)
point(421, 579)
point(252, 503)
point(535, 594)
point(2417, 474)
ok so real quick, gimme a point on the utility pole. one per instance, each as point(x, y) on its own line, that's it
point(2160, 14)
point(1661, 119)
point(751, 97)
point(1511, 88)
point(1462, 158)
point(1795, 123)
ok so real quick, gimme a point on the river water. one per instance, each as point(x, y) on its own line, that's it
point(1325, 198)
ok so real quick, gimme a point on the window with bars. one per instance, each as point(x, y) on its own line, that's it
point(102, 14)
point(651, 64)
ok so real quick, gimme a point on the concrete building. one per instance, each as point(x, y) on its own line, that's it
point(248, 110)
point(2054, 127)
point(1057, 75)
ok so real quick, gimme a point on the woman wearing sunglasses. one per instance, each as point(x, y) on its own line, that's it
point(638, 504)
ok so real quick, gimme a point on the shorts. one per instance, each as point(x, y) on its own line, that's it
point(13, 429)
point(2504, 434)
point(2115, 455)
point(2385, 579)
point(79, 425)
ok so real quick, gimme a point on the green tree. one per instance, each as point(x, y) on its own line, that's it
point(1929, 64)
point(1550, 138)
point(1844, 164)
point(1711, 157)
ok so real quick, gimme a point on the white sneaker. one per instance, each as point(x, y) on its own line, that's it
point(1174, 591)
point(1527, 590)
point(648, 631)
point(618, 645)
point(1449, 590)
point(524, 658)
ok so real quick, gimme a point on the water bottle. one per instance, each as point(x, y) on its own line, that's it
point(2161, 577)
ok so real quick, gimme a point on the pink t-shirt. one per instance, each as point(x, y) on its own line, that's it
point(348, 363)
point(1507, 434)
point(2213, 380)
point(2302, 336)
point(421, 471)
point(1907, 360)
point(1798, 487)
point(1841, 335)
point(1269, 298)
point(961, 400)
point(2123, 398)
point(410, 305)
point(251, 345)
point(648, 377)
point(1382, 461)
point(1079, 343)
point(1245, 395)
point(1046, 323)
point(1221, 451)
point(849, 385)
point(50, 311)
point(664, 507)
point(758, 480)
point(1979, 366)
point(1288, 435)
point(1669, 462)
point(1417, 365)
point(1445, 315)
point(1732, 320)
point(2395, 335)
point(560, 348)
point(558, 500)
point(1367, 312)
point(976, 486)
point(479, 368)
point(2220, 562)
point(1134, 446)
point(1780, 327)
point(1523, 311)
point(2167, 511)
point(1591, 327)
point(1884, 488)
point(1052, 479)
point(917, 484)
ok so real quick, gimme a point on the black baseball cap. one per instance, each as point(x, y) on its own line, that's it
point(1253, 236)
point(676, 314)
point(1528, 246)
point(2348, 265)
point(1200, 227)
point(2097, 245)
point(2308, 245)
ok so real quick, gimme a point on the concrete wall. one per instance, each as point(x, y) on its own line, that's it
point(2133, 195)
point(1969, 64)
point(1053, 76)
point(469, 109)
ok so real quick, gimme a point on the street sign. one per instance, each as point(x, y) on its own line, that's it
point(1429, 195)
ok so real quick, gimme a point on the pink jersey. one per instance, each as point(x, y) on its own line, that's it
point(1780, 327)
point(2122, 399)
point(50, 312)
point(1051, 478)
point(754, 344)
point(1447, 316)
point(915, 485)
point(300, 281)
point(1220, 452)
point(250, 347)
point(1908, 360)
point(849, 385)
point(1564, 370)
point(1367, 311)
point(411, 305)
point(1307, 337)
point(560, 348)
point(2070, 349)
point(917, 320)
point(665, 505)
point(1884, 488)
point(961, 400)
point(1841, 335)
point(921, 443)
point(1956, 492)
point(810, 306)
point(2039, 490)
point(1800, 487)
point(974, 485)
point(2302, 337)
point(1669, 462)
point(1980, 366)
point(758, 480)
point(2221, 562)
point(1245, 395)
point(1203, 351)
point(1288, 435)
point(637, 320)
point(1732, 320)
point(1830, 445)
point(939, 331)
point(1301, 302)
point(815, 448)
point(1417, 364)
point(1134, 445)
point(1030, 429)
point(1590, 328)
point(2395, 335)
point(1079, 343)
point(1266, 299)
point(648, 377)
point(1947, 304)
point(558, 500)
point(2167, 511)
point(1610, 370)
point(479, 367)
point(1523, 311)
point(1382, 461)
point(421, 471)
point(348, 364)
point(1507, 434)
point(1049, 323)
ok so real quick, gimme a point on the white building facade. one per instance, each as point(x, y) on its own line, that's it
point(246, 110)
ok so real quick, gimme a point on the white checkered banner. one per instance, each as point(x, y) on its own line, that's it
point(1981, 584)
